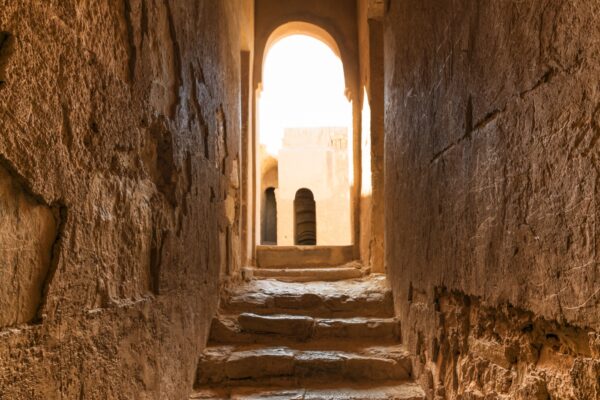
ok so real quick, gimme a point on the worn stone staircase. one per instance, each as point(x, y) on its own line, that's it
point(279, 339)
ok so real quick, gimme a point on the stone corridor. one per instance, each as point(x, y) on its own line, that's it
point(134, 262)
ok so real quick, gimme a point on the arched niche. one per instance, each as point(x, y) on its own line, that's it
point(269, 218)
point(305, 218)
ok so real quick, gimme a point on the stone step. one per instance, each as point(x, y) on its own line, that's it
point(307, 274)
point(252, 365)
point(387, 391)
point(303, 256)
point(255, 328)
point(366, 297)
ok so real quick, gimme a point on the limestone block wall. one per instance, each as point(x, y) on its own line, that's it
point(119, 182)
point(492, 181)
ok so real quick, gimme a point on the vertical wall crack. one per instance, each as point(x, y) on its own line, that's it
point(6, 48)
point(130, 39)
point(176, 58)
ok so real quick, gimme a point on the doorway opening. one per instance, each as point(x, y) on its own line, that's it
point(269, 218)
point(305, 219)
point(304, 127)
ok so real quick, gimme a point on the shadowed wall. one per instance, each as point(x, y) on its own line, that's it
point(492, 188)
point(119, 143)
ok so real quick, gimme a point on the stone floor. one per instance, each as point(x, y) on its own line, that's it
point(275, 339)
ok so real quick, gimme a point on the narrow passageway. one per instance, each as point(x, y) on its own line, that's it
point(309, 320)
point(300, 199)
point(310, 335)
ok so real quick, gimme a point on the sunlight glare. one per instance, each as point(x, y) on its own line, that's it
point(303, 86)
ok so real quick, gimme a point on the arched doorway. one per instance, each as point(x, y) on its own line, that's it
point(305, 219)
point(269, 215)
point(305, 126)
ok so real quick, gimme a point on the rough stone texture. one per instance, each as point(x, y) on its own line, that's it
point(348, 271)
point(28, 231)
point(279, 345)
point(372, 201)
point(370, 297)
point(292, 325)
point(303, 256)
point(124, 117)
point(406, 391)
point(492, 181)
point(280, 329)
point(256, 366)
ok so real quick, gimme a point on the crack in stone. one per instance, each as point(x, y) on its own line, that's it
point(492, 115)
point(176, 58)
point(59, 212)
point(545, 78)
point(486, 120)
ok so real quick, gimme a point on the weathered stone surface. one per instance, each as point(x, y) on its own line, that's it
point(270, 329)
point(28, 231)
point(303, 256)
point(259, 363)
point(372, 201)
point(296, 326)
point(226, 365)
point(307, 274)
point(126, 114)
point(120, 211)
point(265, 349)
point(367, 297)
point(355, 328)
point(398, 391)
point(491, 172)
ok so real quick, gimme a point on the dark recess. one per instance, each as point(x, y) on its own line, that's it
point(6, 40)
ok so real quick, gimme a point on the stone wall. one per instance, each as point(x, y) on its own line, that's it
point(119, 206)
point(493, 185)
point(372, 200)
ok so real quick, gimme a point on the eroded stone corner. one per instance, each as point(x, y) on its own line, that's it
point(29, 245)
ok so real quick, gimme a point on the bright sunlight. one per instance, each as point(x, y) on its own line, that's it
point(303, 86)
point(305, 127)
